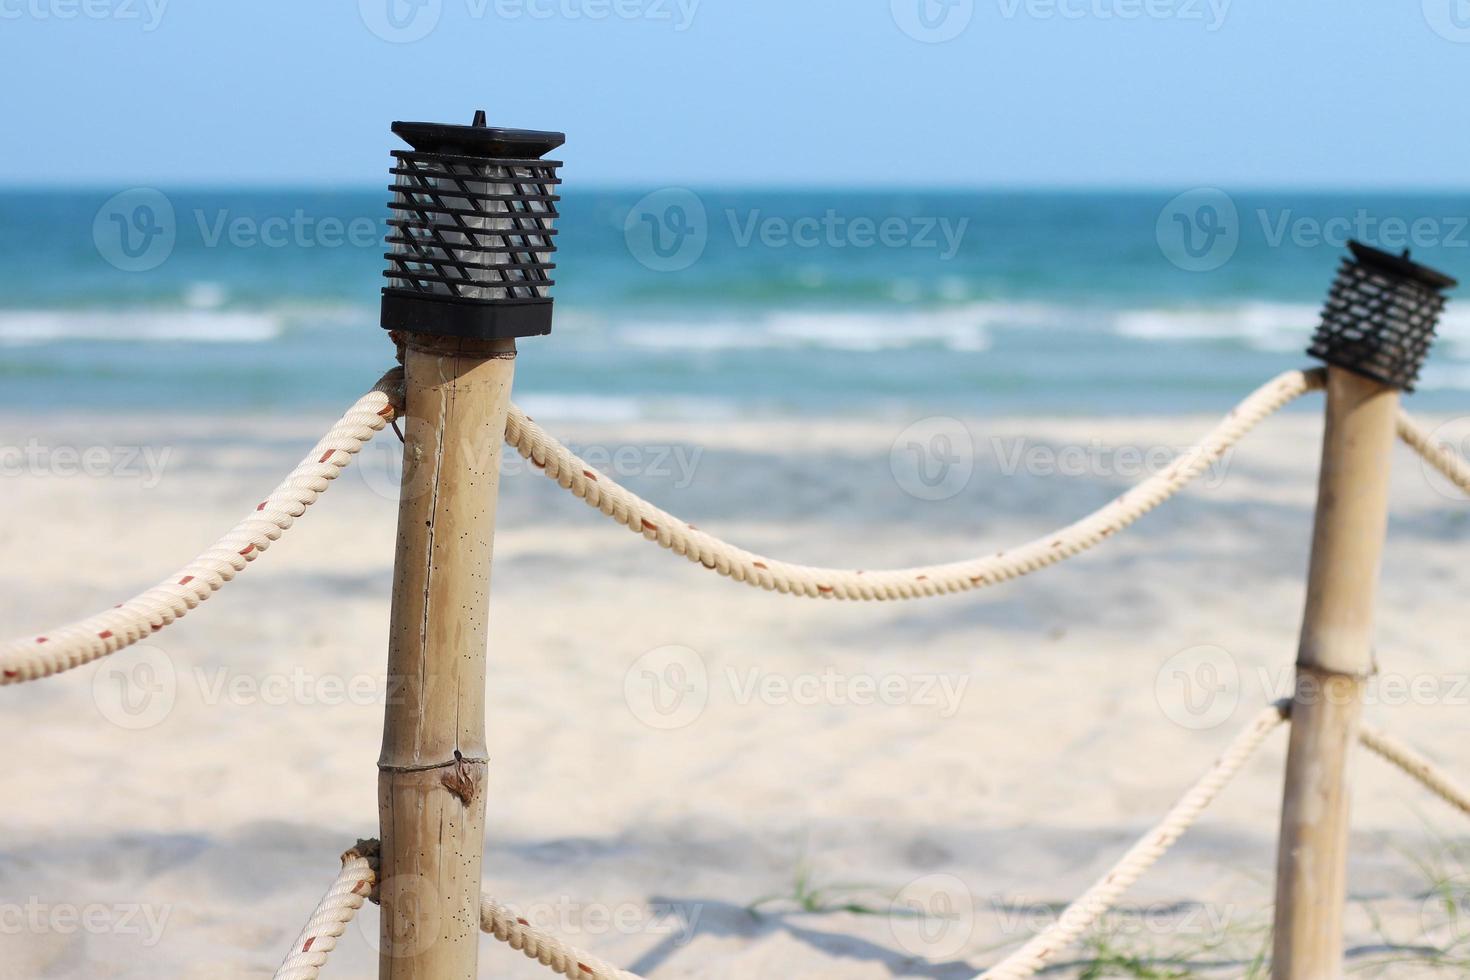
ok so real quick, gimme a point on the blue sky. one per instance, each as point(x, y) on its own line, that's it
point(1040, 93)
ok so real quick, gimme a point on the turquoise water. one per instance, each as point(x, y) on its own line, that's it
point(717, 303)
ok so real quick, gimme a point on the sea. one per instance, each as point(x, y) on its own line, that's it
point(700, 303)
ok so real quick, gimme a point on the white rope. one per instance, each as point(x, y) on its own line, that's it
point(627, 508)
point(357, 882)
point(1078, 917)
point(544, 948)
point(353, 885)
point(90, 639)
point(1449, 463)
point(1432, 777)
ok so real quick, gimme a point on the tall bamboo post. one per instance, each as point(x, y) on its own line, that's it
point(1376, 328)
point(468, 273)
point(431, 781)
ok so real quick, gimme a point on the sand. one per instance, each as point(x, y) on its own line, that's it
point(176, 810)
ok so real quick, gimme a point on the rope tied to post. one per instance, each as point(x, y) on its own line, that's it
point(603, 493)
point(75, 644)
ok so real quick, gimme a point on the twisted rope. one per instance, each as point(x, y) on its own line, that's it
point(1078, 917)
point(544, 948)
point(1451, 465)
point(358, 882)
point(353, 885)
point(1432, 777)
point(90, 639)
point(638, 515)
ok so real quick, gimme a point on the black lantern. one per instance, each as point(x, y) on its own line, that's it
point(1380, 316)
point(471, 234)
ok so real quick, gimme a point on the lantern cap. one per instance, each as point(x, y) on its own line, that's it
point(1401, 266)
point(1380, 316)
point(478, 139)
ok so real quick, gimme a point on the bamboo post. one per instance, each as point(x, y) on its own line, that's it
point(468, 272)
point(432, 769)
point(1334, 659)
point(1376, 328)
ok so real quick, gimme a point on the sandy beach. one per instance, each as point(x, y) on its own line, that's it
point(176, 810)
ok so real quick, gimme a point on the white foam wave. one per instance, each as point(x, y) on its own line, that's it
point(1264, 326)
point(30, 327)
point(961, 329)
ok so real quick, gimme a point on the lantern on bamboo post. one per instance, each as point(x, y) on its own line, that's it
point(468, 272)
point(1377, 327)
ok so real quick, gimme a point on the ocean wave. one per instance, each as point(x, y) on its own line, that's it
point(1260, 325)
point(960, 329)
point(971, 327)
point(30, 327)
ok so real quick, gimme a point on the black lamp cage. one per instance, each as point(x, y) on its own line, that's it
point(471, 237)
point(1380, 316)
